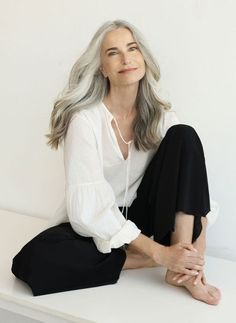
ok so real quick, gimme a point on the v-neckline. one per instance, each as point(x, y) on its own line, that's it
point(111, 117)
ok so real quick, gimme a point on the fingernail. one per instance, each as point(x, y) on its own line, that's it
point(179, 281)
point(174, 278)
point(195, 283)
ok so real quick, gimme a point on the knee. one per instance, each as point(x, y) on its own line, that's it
point(183, 132)
point(186, 136)
point(182, 129)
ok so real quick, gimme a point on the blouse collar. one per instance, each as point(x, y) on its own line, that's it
point(109, 114)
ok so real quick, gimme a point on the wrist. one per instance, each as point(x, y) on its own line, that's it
point(159, 253)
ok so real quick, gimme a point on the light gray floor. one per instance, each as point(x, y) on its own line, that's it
point(9, 317)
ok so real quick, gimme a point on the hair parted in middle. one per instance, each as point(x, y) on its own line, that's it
point(87, 86)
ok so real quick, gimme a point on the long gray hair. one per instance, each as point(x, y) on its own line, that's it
point(88, 86)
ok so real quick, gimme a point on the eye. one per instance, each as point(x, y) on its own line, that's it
point(133, 48)
point(112, 53)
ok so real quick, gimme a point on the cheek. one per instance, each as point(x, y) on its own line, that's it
point(110, 67)
point(141, 60)
point(142, 64)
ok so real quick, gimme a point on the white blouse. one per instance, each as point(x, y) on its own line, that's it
point(98, 179)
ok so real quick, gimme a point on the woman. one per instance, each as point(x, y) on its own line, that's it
point(136, 183)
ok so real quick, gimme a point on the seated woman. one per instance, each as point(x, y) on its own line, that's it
point(136, 182)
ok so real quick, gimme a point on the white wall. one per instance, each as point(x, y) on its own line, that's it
point(194, 42)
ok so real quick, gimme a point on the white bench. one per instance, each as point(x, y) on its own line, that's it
point(141, 295)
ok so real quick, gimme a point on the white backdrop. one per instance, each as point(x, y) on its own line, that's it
point(194, 43)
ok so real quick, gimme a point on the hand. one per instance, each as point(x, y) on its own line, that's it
point(181, 278)
point(182, 258)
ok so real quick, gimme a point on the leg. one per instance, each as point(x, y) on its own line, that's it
point(183, 233)
point(175, 179)
point(183, 228)
point(200, 242)
point(58, 259)
point(172, 180)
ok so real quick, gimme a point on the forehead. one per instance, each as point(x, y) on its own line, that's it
point(117, 37)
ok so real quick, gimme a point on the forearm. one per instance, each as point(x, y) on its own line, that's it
point(176, 257)
point(147, 246)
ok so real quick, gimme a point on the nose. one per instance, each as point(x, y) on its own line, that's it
point(125, 58)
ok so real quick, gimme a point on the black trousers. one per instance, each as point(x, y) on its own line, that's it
point(58, 259)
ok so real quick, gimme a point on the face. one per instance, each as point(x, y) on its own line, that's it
point(121, 60)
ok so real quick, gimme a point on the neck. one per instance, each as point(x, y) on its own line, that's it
point(122, 101)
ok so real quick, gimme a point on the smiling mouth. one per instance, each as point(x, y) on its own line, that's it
point(128, 70)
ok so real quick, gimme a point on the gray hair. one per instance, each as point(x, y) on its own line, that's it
point(88, 86)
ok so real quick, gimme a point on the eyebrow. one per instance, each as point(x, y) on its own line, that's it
point(114, 48)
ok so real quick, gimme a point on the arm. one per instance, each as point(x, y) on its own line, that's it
point(182, 257)
point(90, 200)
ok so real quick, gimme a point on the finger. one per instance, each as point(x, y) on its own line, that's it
point(194, 267)
point(178, 276)
point(189, 272)
point(191, 251)
point(184, 278)
point(188, 246)
point(195, 261)
point(197, 279)
point(195, 255)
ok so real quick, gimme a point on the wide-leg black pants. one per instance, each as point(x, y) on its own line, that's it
point(58, 259)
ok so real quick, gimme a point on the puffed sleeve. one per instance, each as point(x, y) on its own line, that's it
point(90, 200)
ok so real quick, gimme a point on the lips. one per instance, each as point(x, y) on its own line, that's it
point(128, 70)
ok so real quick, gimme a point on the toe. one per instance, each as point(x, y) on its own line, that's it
point(214, 296)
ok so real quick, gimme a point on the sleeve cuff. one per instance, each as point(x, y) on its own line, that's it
point(128, 233)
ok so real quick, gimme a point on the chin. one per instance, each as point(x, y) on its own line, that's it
point(132, 80)
point(130, 83)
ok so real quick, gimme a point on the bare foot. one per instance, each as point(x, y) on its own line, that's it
point(205, 293)
point(134, 260)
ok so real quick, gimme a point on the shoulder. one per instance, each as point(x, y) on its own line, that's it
point(91, 112)
point(91, 115)
point(85, 123)
point(169, 118)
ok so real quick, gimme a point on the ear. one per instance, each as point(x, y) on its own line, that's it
point(102, 71)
